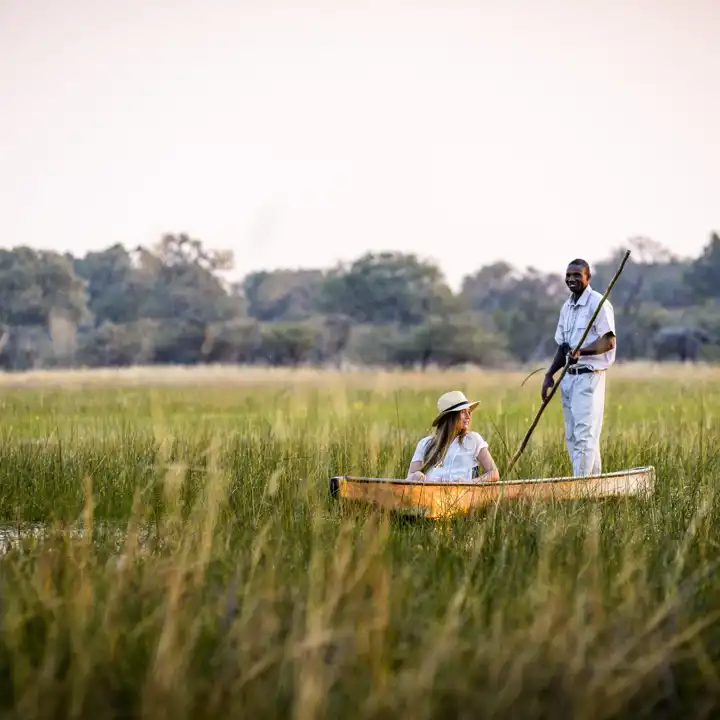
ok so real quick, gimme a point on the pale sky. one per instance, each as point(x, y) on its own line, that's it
point(301, 134)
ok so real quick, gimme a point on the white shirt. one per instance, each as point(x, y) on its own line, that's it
point(459, 460)
point(574, 317)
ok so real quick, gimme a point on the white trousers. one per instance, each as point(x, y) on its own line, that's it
point(583, 403)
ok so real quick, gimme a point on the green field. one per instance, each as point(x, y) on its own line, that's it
point(170, 551)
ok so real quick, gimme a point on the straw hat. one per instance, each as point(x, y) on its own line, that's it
point(453, 401)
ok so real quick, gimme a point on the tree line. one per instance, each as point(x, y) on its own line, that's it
point(171, 304)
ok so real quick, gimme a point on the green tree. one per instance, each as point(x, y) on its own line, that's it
point(703, 276)
point(387, 288)
point(490, 288)
point(118, 344)
point(334, 337)
point(115, 289)
point(238, 340)
point(375, 344)
point(652, 275)
point(449, 341)
point(523, 307)
point(34, 284)
point(282, 294)
point(182, 282)
point(286, 343)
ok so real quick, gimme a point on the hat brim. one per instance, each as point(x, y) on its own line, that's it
point(469, 405)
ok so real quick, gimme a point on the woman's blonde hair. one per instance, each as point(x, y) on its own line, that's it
point(442, 439)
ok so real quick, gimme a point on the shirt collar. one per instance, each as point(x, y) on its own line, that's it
point(583, 299)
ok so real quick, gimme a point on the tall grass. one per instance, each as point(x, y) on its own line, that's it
point(172, 551)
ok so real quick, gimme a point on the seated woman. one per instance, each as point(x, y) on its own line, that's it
point(453, 453)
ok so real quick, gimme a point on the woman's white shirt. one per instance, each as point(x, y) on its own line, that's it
point(459, 460)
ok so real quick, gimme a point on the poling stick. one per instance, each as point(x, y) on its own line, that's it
point(555, 386)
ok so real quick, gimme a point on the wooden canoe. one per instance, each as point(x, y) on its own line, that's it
point(444, 499)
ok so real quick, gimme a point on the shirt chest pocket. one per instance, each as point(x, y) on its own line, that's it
point(577, 324)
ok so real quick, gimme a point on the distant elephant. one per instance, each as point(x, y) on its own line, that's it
point(679, 342)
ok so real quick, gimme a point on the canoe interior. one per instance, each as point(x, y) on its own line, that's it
point(443, 499)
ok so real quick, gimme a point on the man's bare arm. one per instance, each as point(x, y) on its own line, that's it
point(558, 360)
point(601, 345)
point(557, 363)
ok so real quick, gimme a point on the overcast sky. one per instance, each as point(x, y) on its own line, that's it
point(302, 134)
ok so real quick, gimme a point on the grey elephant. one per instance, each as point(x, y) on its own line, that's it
point(679, 342)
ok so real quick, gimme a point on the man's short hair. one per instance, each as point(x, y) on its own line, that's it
point(580, 263)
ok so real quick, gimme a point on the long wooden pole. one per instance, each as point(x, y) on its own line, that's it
point(532, 427)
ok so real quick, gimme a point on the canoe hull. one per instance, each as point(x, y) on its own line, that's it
point(445, 499)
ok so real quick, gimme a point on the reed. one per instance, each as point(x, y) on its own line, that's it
point(170, 550)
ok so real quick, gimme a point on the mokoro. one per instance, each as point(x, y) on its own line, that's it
point(444, 499)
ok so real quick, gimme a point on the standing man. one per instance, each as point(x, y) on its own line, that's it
point(582, 390)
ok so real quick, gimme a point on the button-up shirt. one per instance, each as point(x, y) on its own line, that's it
point(459, 460)
point(574, 318)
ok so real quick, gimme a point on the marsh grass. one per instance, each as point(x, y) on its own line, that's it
point(171, 551)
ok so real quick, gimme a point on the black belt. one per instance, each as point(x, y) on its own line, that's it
point(580, 370)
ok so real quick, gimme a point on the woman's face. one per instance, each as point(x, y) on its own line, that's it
point(464, 418)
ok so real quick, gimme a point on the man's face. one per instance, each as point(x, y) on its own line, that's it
point(576, 278)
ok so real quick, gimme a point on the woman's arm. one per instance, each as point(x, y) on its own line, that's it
point(488, 465)
point(414, 471)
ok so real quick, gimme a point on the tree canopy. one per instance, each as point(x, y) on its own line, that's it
point(172, 303)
